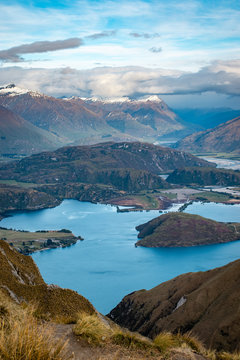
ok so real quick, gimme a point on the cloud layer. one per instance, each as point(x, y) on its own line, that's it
point(221, 77)
point(13, 54)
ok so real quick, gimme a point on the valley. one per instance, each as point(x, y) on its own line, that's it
point(117, 179)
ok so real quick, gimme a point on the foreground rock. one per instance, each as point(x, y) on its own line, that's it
point(180, 229)
point(22, 281)
point(205, 303)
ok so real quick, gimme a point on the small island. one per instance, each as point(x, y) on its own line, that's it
point(27, 242)
point(178, 229)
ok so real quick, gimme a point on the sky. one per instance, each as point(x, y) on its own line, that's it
point(187, 52)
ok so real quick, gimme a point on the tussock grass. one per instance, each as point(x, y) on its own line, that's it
point(191, 341)
point(92, 328)
point(166, 340)
point(23, 338)
point(131, 341)
point(227, 356)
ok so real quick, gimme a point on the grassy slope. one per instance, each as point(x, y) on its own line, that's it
point(209, 307)
point(20, 278)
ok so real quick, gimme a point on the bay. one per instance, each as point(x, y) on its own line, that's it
point(106, 265)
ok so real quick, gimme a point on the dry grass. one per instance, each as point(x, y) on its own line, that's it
point(92, 328)
point(165, 341)
point(227, 356)
point(22, 337)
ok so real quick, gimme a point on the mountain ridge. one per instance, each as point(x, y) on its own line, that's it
point(223, 138)
point(79, 121)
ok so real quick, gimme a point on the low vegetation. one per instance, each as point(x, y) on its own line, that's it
point(27, 242)
point(212, 196)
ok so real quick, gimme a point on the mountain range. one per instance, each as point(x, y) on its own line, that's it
point(80, 121)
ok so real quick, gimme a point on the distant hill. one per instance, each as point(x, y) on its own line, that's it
point(18, 136)
point(180, 229)
point(126, 166)
point(204, 177)
point(224, 138)
point(204, 303)
point(90, 121)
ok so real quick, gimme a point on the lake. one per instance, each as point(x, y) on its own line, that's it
point(106, 265)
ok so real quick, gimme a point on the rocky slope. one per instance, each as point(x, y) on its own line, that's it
point(205, 177)
point(180, 229)
point(225, 138)
point(16, 198)
point(18, 136)
point(126, 166)
point(21, 280)
point(205, 303)
point(87, 121)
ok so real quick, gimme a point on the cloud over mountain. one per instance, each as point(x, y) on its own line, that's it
point(13, 54)
point(221, 77)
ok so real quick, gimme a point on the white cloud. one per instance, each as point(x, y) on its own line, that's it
point(220, 77)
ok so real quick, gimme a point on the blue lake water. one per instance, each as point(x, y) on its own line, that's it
point(106, 265)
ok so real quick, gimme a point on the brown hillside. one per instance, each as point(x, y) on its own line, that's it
point(205, 303)
point(180, 229)
point(21, 280)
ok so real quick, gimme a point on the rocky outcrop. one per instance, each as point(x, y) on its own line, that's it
point(205, 177)
point(205, 303)
point(180, 229)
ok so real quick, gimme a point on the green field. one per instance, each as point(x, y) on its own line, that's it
point(211, 196)
point(27, 242)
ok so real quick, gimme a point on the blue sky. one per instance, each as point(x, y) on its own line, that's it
point(160, 41)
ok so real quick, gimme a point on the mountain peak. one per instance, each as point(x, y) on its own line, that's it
point(13, 90)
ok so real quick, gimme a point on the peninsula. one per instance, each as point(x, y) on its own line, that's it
point(180, 230)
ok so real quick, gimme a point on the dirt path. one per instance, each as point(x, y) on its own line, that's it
point(80, 350)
